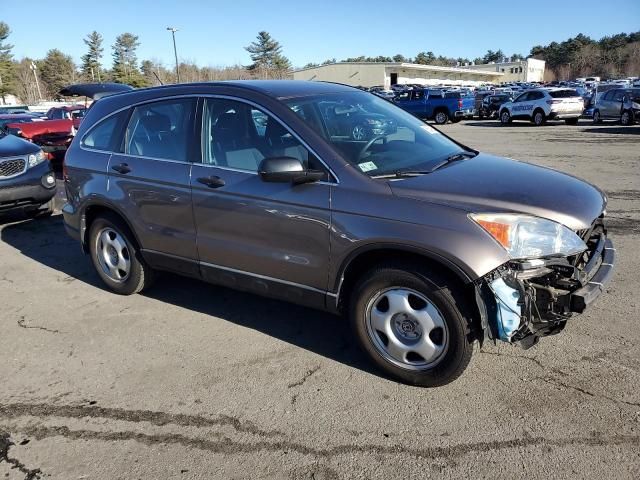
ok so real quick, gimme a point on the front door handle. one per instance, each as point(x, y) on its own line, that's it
point(212, 182)
point(121, 168)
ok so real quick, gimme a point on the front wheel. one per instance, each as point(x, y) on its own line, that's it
point(505, 117)
point(626, 119)
point(596, 117)
point(412, 324)
point(116, 256)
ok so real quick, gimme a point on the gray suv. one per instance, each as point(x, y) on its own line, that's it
point(426, 245)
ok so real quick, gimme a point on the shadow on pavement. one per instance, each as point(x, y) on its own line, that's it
point(632, 130)
point(45, 241)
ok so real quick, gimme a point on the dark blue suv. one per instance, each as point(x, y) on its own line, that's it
point(27, 181)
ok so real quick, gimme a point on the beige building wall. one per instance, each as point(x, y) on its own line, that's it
point(349, 73)
point(374, 74)
point(529, 70)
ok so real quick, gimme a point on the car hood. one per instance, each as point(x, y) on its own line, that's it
point(93, 90)
point(12, 146)
point(492, 184)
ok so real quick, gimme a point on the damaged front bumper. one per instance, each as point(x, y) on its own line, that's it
point(529, 299)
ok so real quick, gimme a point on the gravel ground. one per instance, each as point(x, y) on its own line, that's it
point(193, 381)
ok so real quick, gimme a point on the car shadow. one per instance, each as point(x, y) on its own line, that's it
point(496, 123)
point(631, 130)
point(45, 241)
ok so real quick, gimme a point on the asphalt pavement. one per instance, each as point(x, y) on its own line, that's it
point(194, 381)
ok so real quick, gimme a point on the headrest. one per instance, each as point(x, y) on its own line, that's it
point(156, 123)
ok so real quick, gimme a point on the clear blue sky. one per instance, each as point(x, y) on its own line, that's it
point(214, 32)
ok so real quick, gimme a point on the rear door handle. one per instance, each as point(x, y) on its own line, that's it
point(121, 168)
point(212, 182)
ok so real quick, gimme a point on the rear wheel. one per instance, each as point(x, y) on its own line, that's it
point(116, 256)
point(538, 118)
point(571, 121)
point(412, 324)
point(441, 117)
point(505, 117)
point(626, 119)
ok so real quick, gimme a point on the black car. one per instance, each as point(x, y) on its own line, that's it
point(491, 105)
point(27, 182)
point(355, 122)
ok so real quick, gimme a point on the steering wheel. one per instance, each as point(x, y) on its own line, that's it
point(369, 144)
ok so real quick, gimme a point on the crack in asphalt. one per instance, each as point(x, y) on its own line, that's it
point(558, 383)
point(304, 378)
point(228, 446)
point(5, 444)
point(13, 410)
point(22, 323)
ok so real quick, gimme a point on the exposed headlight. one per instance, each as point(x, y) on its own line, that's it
point(372, 121)
point(36, 158)
point(525, 236)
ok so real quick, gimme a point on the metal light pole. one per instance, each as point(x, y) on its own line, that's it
point(33, 68)
point(175, 51)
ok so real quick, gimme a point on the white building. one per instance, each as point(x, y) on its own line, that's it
point(369, 74)
point(529, 70)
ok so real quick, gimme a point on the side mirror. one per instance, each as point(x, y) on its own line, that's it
point(287, 170)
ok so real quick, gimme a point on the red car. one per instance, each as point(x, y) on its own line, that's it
point(55, 133)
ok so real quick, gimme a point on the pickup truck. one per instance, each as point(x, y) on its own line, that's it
point(437, 105)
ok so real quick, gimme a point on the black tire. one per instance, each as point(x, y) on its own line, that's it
point(441, 117)
point(456, 119)
point(538, 118)
point(505, 117)
point(626, 118)
point(571, 121)
point(596, 117)
point(140, 275)
point(447, 299)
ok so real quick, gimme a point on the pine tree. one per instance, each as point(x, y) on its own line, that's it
point(57, 70)
point(266, 55)
point(125, 60)
point(7, 68)
point(91, 60)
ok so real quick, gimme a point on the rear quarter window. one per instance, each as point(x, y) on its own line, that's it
point(106, 134)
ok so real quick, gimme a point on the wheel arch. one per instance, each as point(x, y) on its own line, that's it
point(364, 258)
point(93, 210)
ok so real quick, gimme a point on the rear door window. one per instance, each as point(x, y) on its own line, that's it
point(161, 129)
point(417, 95)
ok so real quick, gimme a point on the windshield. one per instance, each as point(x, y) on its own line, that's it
point(374, 135)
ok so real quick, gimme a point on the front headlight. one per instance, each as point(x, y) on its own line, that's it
point(36, 158)
point(525, 236)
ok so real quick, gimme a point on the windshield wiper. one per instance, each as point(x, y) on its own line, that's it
point(402, 174)
point(454, 158)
